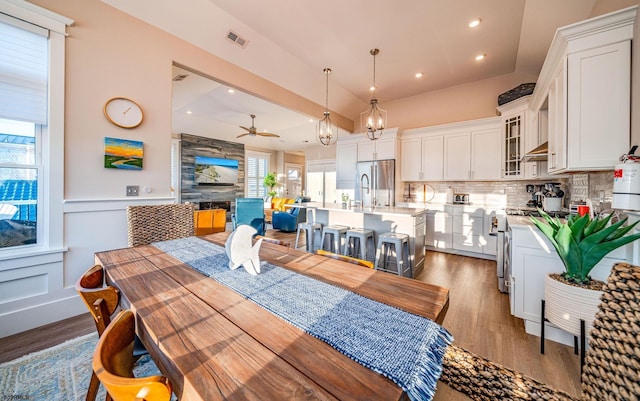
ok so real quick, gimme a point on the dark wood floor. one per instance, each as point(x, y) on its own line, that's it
point(478, 318)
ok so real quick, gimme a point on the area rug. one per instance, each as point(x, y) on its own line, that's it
point(59, 373)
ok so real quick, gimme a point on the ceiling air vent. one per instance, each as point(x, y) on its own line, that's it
point(235, 38)
point(180, 77)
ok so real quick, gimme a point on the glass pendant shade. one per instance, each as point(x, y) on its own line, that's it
point(327, 131)
point(374, 119)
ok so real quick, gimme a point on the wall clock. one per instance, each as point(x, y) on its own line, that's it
point(123, 112)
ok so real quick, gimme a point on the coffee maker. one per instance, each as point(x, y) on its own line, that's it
point(537, 195)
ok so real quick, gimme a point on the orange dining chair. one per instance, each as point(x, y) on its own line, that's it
point(113, 365)
point(102, 301)
point(344, 258)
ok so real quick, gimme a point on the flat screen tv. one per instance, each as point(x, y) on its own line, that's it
point(214, 171)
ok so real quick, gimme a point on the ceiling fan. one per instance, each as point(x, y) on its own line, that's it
point(253, 132)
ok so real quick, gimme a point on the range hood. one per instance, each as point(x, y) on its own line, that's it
point(537, 154)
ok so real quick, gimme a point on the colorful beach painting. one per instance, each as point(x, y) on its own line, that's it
point(122, 154)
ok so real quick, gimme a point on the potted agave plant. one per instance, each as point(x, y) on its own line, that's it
point(581, 243)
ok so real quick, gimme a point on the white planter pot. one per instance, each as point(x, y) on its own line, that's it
point(566, 304)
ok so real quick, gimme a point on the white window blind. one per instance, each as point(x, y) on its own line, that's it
point(23, 71)
point(257, 167)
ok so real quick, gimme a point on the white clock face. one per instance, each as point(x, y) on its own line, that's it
point(123, 112)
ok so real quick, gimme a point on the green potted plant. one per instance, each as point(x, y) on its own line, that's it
point(270, 181)
point(581, 243)
point(345, 200)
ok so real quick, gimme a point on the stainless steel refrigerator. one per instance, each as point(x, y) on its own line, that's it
point(376, 183)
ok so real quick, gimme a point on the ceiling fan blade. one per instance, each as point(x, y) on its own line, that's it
point(245, 128)
point(241, 135)
point(268, 134)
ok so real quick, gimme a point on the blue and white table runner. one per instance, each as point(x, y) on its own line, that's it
point(399, 345)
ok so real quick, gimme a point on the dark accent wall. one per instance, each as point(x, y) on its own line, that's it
point(192, 146)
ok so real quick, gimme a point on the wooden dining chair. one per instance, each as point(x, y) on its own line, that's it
point(153, 223)
point(102, 301)
point(344, 258)
point(113, 364)
point(611, 370)
point(273, 241)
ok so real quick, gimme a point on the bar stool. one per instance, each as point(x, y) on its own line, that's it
point(310, 228)
point(359, 243)
point(400, 243)
point(336, 234)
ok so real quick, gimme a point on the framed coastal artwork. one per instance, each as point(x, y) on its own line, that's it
point(123, 154)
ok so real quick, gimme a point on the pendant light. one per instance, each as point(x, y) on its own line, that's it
point(327, 131)
point(374, 119)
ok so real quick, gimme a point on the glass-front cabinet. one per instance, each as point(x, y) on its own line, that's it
point(512, 146)
point(514, 119)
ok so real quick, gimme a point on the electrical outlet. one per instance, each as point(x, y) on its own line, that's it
point(132, 190)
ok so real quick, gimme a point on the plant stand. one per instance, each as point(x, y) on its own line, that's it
point(570, 308)
point(582, 345)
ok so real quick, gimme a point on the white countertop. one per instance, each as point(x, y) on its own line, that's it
point(403, 211)
point(523, 221)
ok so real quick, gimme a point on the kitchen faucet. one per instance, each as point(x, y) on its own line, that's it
point(362, 187)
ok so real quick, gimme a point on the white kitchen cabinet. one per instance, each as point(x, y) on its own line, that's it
point(585, 85)
point(439, 232)
point(472, 155)
point(380, 149)
point(346, 159)
point(598, 80)
point(515, 133)
point(468, 150)
point(457, 156)
point(490, 242)
point(485, 155)
point(557, 160)
point(422, 159)
point(468, 229)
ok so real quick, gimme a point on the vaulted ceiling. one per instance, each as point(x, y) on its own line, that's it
point(289, 42)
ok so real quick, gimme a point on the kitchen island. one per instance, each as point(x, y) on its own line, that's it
point(382, 220)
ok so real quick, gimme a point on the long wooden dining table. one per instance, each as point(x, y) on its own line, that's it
point(214, 344)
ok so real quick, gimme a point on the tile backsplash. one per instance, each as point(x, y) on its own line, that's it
point(597, 186)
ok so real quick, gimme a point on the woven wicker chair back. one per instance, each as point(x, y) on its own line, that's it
point(612, 363)
point(152, 223)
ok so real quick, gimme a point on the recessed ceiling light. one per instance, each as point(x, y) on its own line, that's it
point(480, 57)
point(372, 88)
point(419, 75)
point(189, 112)
point(474, 23)
point(231, 90)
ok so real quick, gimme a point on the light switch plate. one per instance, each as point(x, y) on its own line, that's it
point(132, 190)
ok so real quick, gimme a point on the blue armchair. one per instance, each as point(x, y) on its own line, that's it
point(288, 220)
point(249, 211)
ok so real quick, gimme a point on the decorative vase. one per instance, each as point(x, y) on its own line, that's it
point(344, 205)
point(566, 305)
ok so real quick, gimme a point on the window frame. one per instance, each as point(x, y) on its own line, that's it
point(259, 180)
point(50, 147)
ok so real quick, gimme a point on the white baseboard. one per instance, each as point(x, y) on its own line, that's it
point(18, 321)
